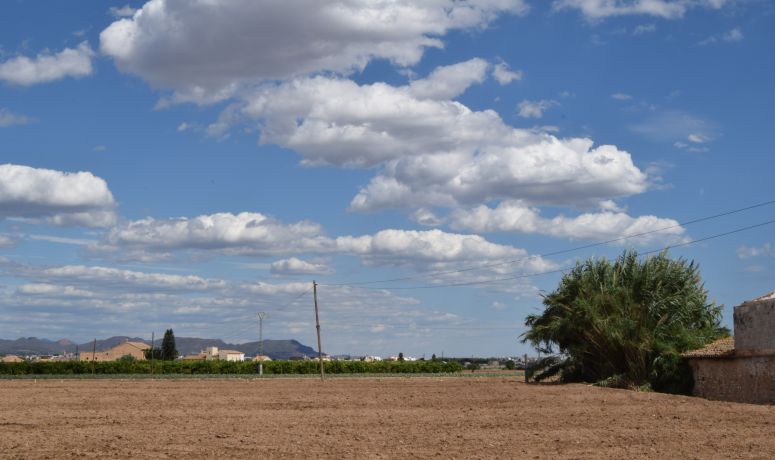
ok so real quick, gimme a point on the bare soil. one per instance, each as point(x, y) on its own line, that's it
point(472, 417)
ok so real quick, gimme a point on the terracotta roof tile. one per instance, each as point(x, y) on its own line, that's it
point(718, 349)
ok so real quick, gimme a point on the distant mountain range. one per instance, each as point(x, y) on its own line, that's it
point(275, 349)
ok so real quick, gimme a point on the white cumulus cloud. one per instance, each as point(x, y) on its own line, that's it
point(53, 290)
point(6, 240)
point(535, 109)
point(541, 169)
point(400, 247)
point(8, 118)
point(433, 152)
point(515, 216)
point(125, 11)
point(642, 29)
point(504, 75)
point(731, 36)
point(243, 233)
point(747, 252)
point(437, 257)
point(249, 41)
point(47, 67)
point(295, 266)
point(667, 9)
point(447, 82)
point(254, 234)
point(426, 217)
point(109, 279)
point(676, 126)
point(61, 198)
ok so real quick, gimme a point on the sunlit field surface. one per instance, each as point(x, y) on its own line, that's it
point(389, 417)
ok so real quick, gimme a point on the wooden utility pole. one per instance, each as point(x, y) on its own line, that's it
point(93, 355)
point(153, 339)
point(317, 325)
point(261, 316)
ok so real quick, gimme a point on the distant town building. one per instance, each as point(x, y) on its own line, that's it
point(211, 353)
point(133, 349)
point(343, 358)
point(262, 358)
point(491, 364)
point(231, 355)
point(396, 358)
point(214, 353)
point(65, 357)
point(740, 368)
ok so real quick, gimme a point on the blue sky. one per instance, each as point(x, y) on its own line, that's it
point(187, 164)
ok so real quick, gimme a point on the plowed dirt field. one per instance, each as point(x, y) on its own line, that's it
point(396, 417)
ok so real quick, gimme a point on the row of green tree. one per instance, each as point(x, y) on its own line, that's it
point(128, 366)
point(625, 323)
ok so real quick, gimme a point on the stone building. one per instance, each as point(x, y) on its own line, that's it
point(214, 353)
point(133, 349)
point(742, 368)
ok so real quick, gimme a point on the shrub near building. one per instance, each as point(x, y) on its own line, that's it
point(625, 323)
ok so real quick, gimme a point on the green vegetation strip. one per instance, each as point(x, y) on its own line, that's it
point(518, 375)
point(222, 368)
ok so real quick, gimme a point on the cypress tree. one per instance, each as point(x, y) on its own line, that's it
point(168, 350)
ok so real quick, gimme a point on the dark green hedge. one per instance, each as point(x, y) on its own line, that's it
point(223, 367)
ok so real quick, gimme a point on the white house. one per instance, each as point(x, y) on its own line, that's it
point(212, 353)
point(231, 355)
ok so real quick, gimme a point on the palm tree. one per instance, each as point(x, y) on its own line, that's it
point(626, 321)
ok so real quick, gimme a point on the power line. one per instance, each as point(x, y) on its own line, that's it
point(559, 270)
point(423, 328)
point(294, 300)
point(555, 253)
point(236, 333)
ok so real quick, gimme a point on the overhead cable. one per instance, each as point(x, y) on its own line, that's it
point(560, 270)
point(555, 253)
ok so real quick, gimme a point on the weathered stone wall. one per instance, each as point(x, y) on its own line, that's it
point(741, 379)
point(755, 327)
